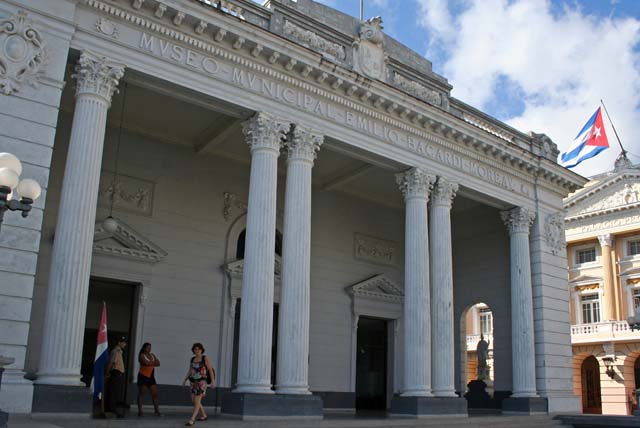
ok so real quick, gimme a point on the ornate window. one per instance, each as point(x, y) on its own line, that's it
point(586, 255)
point(590, 308)
point(486, 321)
point(636, 300)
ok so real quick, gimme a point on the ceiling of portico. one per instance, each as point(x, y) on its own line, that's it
point(174, 115)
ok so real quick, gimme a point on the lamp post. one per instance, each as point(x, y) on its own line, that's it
point(28, 189)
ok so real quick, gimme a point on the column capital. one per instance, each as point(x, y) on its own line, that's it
point(415, 183)
point(443, 192)
point(97, 75)
point(605, 240)
point(518, 219)
point(304, 144)
point(264, 131)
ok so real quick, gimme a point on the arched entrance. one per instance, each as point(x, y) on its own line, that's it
point(590, 375)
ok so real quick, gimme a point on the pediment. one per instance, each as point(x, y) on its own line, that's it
point(126, 242)
point(377, 287)
point(585, 279)
point(236, 267)
point(617, 192)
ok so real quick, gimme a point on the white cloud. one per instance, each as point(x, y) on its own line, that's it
point(558, 65)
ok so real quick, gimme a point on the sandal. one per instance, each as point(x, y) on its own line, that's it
point(190, 423)
point(203, 418)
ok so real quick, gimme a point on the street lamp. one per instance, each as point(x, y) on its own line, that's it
point(28, 189)
point(608, 363)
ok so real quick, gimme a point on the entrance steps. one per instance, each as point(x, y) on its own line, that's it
point(176, 420)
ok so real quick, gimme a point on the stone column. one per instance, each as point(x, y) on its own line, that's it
point(609, 303)
point(264, 134)
point(442, 333)
point(518, 221)
point(293, 331)
point(415, 185)
point(97, 80)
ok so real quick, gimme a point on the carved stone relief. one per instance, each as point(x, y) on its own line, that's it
point(376, 250)
point(23, 54)
point(628, 195)
point(417, 90)
point(107, 28)
point(378, 287)
point(313, 41)
point(128, 193)
point(369, 57)
point(554, 233)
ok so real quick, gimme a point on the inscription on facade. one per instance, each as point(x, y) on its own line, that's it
point(336, 113)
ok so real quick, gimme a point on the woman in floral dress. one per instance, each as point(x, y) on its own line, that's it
point(199, 367)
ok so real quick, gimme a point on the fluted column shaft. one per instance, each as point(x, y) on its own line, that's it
point(293, 331)
point(518, 221)
point(442, 332)
point(416, 185)
point(264, 134)
point(609, 304)
point(97, 80)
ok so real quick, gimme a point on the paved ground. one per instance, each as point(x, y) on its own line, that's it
point(177, 418)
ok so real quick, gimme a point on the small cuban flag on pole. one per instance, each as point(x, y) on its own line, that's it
point(102, 358)
point(590, 141)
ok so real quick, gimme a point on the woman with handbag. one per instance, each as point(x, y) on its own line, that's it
point(200, 374)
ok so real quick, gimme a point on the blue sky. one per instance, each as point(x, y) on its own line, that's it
point(538, 65)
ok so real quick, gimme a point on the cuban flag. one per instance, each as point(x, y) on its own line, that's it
point(102, 356)
point(590, 141)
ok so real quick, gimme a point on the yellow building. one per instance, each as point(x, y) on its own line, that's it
point(603, 251)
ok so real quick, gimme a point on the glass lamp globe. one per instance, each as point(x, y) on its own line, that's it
point(8, 178)
point(7, 160)
point(110, 224)
point(29, 189)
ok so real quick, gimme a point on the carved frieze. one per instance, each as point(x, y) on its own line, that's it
point(369, 57)
point(127, 193)
point(376, 250)
point(313, 41)
point(417, 90)
point(609, 200)
point(23, 54)
point(554, 233)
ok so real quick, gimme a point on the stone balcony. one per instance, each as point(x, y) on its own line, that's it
point(608, 331)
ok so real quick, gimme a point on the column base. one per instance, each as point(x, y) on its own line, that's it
point(525, 406)
point(16, 392)
point(62, 399)
point(422, 407)
point(55, 379)
point(248, 406)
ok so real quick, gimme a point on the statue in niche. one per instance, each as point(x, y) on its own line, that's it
point(482, 351)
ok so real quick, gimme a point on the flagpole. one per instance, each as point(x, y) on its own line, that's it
point(624, 152)
point(361, 10)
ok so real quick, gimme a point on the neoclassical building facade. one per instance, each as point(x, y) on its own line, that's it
point(287, 185)
point(603, 250)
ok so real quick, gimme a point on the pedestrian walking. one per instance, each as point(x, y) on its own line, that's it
point(147, 379)
point(199, 376)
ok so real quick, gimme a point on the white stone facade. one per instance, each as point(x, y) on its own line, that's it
point(187, 155)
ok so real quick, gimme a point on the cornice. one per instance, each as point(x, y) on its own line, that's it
point(255, 48)
point(599, 213)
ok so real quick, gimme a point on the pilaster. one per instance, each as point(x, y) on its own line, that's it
point(609, 303)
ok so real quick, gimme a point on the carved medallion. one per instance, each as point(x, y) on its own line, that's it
point(107, 28)
point(23, 54)
point(369, 57)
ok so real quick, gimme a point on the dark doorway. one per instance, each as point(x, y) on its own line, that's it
point(119, 298)
point(590, 374)
point(371, 364)
point(236, 344)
